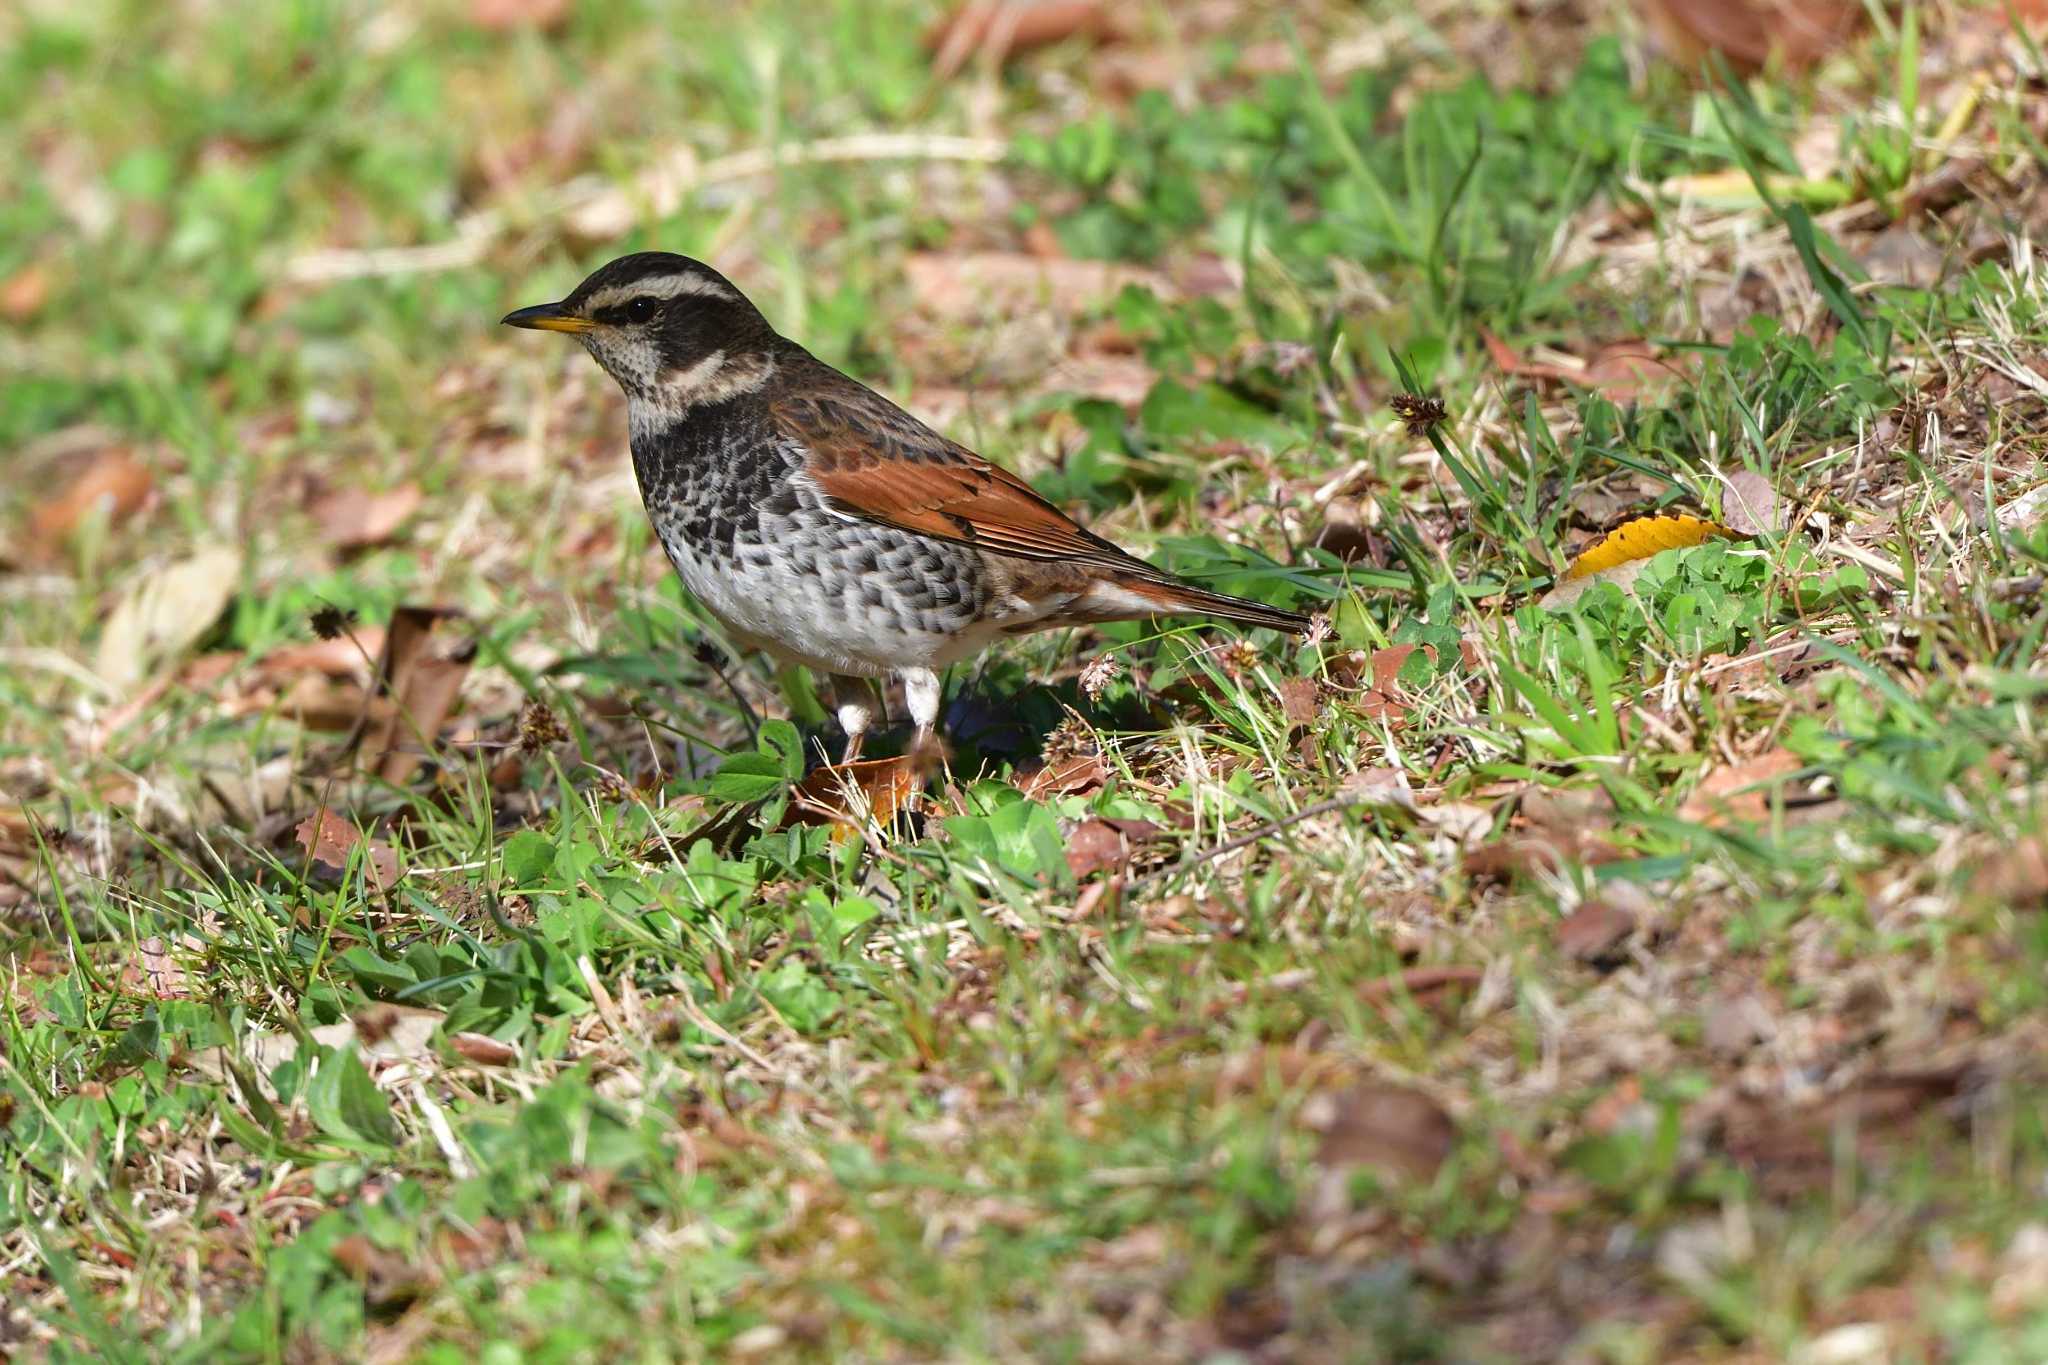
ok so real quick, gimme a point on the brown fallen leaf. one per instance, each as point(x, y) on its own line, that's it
point(351, 655)
point(1595, 932)
point(483, 1049)
point(848, 794)
point(1749, 32)
point(1007, 28)
point(318, 703)
point(1099, 843)
point(18, 829)
point(421, 677)
point(1726, 793)
point(353, 519)
point(1540, 852)
point(1621, 370)
point(154, 973)
point(329, 839)
point(1402, 1132)
point(1433, 988)
point(1300, 700)
point(114, 484)
point(1383, 788)
point(1077, 774)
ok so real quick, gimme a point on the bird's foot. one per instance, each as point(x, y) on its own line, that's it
point(927, 751)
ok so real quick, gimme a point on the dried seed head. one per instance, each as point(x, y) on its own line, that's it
point(329, 621)
point(539, 728)
point(1419, 411)
point(1239, 657)
point(1318, 629)
point(1069, 739)
point(1099, 674)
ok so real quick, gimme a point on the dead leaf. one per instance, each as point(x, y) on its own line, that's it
point(422, 679)
point(329, 840)
point(1725, 794)
point(1463, 822)
point(1749, 32)
point(23, 294)
point(1538, 853)
point(1402, 1132)
point(352, 655)
point(1621, 370)
point(979, 285)
point(1099, 843)
point(1569, 590)
point(1007, 28)
point(1430, 987)
point(1300, 700)
point(2024, 512)
point(114, 484)
point(499, 16)
point(1077, 774)
point(18, 829)
point(849, 794)
point(154, 972)
point(1595, 932)
point(162, 613)
point(1386, 788)
point(383, 1033)
point(483, 1050)
point(1750, 505)
point(352, 519)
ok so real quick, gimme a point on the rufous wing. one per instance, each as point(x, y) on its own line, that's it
point(875, 461)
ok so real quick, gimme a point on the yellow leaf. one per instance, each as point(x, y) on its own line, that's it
point(1643, 537)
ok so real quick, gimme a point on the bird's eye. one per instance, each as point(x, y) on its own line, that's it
point(641, 309)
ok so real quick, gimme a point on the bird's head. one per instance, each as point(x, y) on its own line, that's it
point(672, 331)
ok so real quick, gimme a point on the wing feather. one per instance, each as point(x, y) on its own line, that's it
point(875, 461)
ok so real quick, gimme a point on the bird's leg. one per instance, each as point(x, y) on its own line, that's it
point(921, 693)
point(854, 704)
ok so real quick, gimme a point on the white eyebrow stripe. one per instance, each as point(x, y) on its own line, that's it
point(660, 287)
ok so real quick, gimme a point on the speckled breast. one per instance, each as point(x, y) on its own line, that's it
point(756, 546)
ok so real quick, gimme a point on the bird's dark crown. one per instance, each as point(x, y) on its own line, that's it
point(661, 324)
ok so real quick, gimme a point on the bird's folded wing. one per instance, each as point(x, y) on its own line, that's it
point(874, 461)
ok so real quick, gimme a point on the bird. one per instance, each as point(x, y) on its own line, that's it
point(822, 524)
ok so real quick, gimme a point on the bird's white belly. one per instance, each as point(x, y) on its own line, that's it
point(771, 603)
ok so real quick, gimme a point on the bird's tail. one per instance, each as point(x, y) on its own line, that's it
point(1174, 598)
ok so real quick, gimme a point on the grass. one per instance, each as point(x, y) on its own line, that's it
point(1654, 977)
